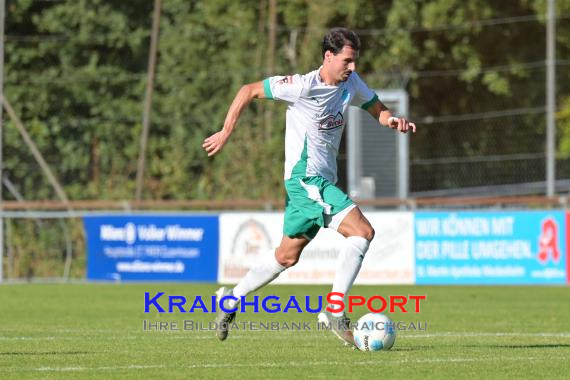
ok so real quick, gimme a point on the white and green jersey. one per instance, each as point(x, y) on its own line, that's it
point(315, 119)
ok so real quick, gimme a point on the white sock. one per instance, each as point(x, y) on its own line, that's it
point(258, 276)
point(349, 263)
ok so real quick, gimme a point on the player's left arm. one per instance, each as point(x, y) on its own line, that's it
point(384, 116)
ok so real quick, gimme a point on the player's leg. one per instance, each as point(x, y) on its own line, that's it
point(266, 270)
point(353, 225)
point(356, 224)
point(271, 265)
point(358, 233)
point(298, 230)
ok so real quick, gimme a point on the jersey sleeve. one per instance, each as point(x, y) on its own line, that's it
point(363, 96)
point(286, 88)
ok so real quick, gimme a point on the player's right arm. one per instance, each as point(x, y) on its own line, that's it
point(245, 95)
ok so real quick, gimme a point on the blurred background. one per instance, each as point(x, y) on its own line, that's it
point(98, 111)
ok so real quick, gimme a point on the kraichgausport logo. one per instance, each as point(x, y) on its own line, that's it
point(192, 325)
point(274, 304)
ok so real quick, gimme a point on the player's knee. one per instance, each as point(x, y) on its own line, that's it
point(286, 260)
point(368, 233)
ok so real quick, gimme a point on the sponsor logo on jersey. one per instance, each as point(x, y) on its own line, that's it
point(332, 122)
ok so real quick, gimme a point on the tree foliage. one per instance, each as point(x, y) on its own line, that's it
point(75, 71)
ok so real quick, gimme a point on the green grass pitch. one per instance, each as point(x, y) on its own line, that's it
point(96, 331)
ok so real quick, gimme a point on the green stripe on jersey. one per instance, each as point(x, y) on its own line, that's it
point(367, 105)
point(300, 168)
point(267, 89)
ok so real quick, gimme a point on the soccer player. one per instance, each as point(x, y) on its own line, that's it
point(317, 104)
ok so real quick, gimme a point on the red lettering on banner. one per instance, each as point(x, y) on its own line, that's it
point(567, 247)
point(548, 242)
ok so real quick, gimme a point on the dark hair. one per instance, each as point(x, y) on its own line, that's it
point(336, 38)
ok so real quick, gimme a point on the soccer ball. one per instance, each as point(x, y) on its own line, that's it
point(374, 332)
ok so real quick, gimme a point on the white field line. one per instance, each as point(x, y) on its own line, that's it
point(274, 365)
point(190, 335)
point(107, 368)
point(490, 334)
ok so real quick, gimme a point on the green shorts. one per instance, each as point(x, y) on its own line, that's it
point(312, 203)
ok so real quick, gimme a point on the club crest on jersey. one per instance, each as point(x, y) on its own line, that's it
point(332, 122)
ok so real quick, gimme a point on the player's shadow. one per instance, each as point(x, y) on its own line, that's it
point(417, 348)
point(44, 353)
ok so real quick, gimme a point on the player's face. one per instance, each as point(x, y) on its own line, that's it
point(343, 64)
